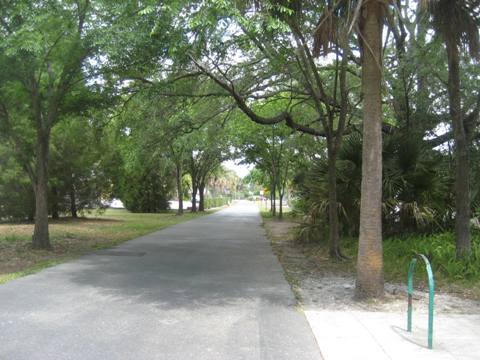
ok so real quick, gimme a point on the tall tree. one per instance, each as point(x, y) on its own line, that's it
point(177, 151)
point(287, 70)
point(370, 279)
point(43, 49)
point(457, 21)
point(207, 150)
point(271, 149)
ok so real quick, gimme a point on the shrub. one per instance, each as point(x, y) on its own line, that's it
point(439, 248)
point(217, 202)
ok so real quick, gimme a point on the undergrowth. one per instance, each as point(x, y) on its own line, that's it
point(440, 250)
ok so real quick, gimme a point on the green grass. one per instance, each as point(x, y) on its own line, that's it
point(131, 225)
point(74, 237)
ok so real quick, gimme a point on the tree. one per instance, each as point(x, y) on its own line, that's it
point(78, 180)
point(207, 150)
point(143, 174)
point(286, 71)
point(271, 149)
point(370, 17)
point(369, 282)
point(177, 151)
point(43, 49)
point(223, 183)
point(457, 23)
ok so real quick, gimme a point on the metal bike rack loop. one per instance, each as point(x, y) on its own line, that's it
point(431, 293)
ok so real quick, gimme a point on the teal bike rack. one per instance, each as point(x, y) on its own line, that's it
point(431, 294)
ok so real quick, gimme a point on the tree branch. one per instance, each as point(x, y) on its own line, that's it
point(241, 103)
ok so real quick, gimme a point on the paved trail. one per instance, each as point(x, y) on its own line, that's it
point(205, 289)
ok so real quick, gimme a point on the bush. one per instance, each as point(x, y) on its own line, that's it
point(145, 192)
point(217, 202)
point(416, 189)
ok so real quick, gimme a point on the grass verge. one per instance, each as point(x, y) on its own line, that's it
point(75, 237)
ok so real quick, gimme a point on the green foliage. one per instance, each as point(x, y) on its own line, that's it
point(439, 248)
point(416, 196)
point(217, 202)
point(145, 190)
point(16, 192)
point(78, 168)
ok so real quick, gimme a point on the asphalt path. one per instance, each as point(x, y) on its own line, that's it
point(209, 288)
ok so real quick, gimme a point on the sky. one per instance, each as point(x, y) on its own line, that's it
point(241, 170)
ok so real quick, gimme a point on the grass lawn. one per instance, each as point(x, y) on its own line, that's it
point(74, 237)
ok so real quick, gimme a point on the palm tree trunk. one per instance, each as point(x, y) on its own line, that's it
point(41, 238)
point(422, 97)
point(370, 278)
point(462, 175)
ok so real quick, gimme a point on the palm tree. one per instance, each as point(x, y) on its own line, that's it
point(370, 280)
point(457, 22)
point(368, 18)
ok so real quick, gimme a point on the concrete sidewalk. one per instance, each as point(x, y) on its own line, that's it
point(363, 335)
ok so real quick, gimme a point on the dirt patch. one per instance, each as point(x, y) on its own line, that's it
point(320, 283)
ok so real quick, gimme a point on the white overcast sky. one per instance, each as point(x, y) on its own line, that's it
point(241, 170)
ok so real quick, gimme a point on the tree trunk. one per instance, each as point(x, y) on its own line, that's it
point(179, 189)
point(73, 201)
point(280, 205)
point(55, 213)
point(422, 98)
point(194, 197)
point(274, 198)
point(462, 176)
point(41, 239)
point(201, 192)
point(271, 201)
point(334, 233)
point(370, 278)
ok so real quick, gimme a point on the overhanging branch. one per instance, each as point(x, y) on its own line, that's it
point(241, 103)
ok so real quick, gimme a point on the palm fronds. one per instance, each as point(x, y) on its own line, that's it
point(458, 20)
